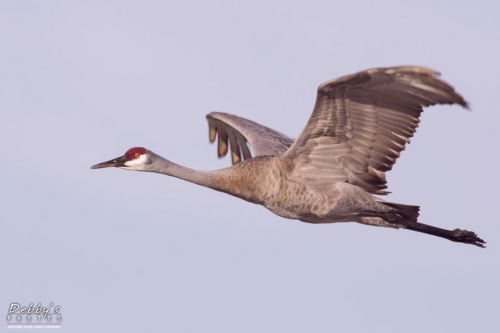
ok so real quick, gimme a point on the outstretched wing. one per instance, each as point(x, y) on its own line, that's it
point(361, 123)
point(235, 132)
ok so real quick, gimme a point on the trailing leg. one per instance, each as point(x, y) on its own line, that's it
point(405, 216)
point(457, 235)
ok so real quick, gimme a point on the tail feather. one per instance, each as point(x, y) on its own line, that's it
point(409, 213)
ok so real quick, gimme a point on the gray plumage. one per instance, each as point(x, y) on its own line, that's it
point(359, 126)
point(237, 131)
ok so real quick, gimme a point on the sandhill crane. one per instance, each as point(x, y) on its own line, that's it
point(359, 126)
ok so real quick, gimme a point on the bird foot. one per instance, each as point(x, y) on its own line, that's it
point(468, 237)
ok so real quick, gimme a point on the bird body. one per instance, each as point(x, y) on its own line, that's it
point(264, 180)
point(359, 126)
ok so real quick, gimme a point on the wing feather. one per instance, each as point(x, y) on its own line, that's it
point(237, 133)
point(362, 122)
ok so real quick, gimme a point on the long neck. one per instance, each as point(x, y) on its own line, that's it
point(225, 180)
point(204, 178)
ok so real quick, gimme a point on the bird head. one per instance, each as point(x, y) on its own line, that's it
point(136, 158)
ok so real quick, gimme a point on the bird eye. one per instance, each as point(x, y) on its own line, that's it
point(137, 155)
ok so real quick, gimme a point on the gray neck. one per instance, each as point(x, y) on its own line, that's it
point(209, 179)
point(224, 180)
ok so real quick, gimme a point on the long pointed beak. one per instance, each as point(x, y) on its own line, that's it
point(116, 162)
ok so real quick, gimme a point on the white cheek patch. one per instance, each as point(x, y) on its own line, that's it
point(136, 164)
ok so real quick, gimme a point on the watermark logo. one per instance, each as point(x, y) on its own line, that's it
point(32, 316)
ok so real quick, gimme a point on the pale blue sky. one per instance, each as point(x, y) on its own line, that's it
point(81, 82)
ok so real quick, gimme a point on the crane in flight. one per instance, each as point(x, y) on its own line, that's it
point(358, 128)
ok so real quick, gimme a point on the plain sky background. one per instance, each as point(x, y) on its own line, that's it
point(83, 81)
